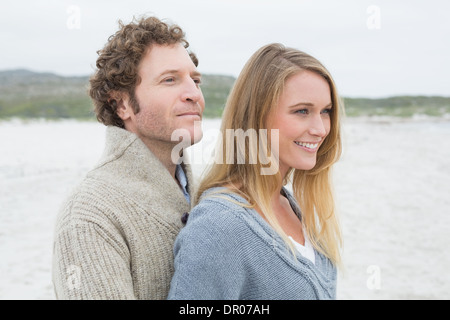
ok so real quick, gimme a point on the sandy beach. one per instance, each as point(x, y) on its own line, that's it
point(392, 186)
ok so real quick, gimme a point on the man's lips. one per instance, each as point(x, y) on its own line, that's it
point(189, 113)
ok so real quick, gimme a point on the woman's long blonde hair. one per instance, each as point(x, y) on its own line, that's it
point(254, 94)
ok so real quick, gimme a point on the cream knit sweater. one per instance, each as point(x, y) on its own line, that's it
point(115, 233)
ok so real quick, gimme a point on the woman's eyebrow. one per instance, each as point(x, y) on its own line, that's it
point(308, 104)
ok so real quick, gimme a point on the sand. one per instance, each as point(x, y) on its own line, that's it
point(392, 185)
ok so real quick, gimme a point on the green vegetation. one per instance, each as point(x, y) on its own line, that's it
point(400, 106)
point(215, 89)
point(27, 94)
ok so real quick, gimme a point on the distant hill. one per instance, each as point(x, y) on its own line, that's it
point(399, 106)
point(28, 94)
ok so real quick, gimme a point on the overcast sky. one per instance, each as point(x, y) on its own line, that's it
point(373, 48)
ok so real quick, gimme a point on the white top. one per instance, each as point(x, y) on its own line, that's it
point(307, 250)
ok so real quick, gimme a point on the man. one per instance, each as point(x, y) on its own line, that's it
point(114, 235)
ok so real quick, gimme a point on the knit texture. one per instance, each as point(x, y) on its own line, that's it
point(115, 233)
point(227, 251)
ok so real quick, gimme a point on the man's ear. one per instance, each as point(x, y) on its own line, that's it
point(123, 106)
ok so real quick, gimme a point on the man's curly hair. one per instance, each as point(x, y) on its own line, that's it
point(117, 64)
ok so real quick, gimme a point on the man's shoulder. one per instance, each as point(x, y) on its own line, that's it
point(94, 185)
point(104, 196)
point(85, 199)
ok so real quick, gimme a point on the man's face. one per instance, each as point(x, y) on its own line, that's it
point(169, 97)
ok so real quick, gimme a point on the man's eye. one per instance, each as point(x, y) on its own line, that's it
point(197, 81)
point(169, 80)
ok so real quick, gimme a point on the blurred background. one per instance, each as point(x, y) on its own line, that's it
point(388, 58)
point(373, 48)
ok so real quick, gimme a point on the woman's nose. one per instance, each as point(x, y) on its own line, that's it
point(318, 126)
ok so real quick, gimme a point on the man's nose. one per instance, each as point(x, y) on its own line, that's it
point(192, 92)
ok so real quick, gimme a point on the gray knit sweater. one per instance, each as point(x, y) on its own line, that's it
point(115, 234)
point(227, 251)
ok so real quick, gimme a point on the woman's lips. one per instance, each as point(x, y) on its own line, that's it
point(308, 146)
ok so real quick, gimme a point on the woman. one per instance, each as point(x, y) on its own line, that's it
point(249, 237)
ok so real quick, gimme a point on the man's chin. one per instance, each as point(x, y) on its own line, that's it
point(196, 132)
point(197, 137)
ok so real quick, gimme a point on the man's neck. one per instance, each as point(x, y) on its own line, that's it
point(163, 152)
point(161, 149)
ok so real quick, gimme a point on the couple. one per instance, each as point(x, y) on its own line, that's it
point(136, 228)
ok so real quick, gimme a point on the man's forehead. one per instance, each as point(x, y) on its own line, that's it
point(168, 58)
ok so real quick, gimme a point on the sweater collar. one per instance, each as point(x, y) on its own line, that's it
point(126, 154)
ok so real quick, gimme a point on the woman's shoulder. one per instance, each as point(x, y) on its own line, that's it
point(218, 223)
point(224, 214)
point(218, 204)
point(223, 197)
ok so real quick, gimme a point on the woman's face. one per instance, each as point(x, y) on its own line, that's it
point(302, 117)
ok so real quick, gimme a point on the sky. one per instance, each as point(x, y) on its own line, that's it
point(375, 48)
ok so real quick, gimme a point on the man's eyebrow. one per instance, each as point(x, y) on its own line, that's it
point(175, 71)
point(196, 74)
point(168, 71)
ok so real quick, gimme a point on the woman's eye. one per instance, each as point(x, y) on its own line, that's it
point(326, 111)
point(197, 81)
point(302, 111)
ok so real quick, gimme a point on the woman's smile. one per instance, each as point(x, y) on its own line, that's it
point(308, 146)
